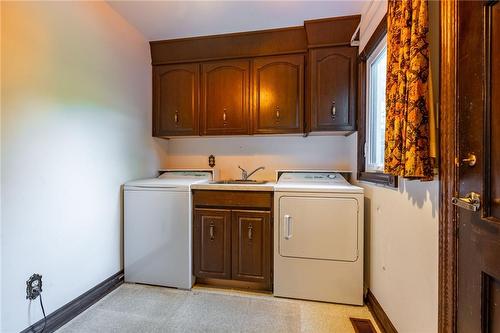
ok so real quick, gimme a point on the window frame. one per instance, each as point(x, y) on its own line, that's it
point(371, 47)
point(372, 59)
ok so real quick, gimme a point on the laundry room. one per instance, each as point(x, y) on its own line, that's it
point(248, 166)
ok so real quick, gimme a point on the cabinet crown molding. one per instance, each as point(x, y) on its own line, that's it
point(335, 31)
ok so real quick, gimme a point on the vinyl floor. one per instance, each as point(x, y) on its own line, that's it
point(140, 308)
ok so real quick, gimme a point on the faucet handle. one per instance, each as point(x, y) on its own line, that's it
point(244, 173)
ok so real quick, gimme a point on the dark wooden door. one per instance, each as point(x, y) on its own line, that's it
point(278, 105)
point(212, 243)
point(175, 100)
point(251, 246)
point(225, 97)
point(479, 135)
point(333, 88)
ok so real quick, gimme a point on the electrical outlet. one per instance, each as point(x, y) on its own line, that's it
point(33, 286)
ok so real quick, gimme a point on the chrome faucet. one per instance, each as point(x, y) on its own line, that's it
point(245, 175)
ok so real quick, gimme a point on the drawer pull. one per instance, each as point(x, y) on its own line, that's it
point(334, 110)
point(278, 115)
point(212, 228)
point(250, 228)
point(176, 117)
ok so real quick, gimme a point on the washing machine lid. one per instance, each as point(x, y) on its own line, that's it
point(312, 181)
point(175, 180)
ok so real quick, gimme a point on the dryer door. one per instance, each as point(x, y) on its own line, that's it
point(318, 228)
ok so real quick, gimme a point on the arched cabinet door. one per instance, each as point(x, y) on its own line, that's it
point(175, 100)
point(225, 98)
point(278, 105)
point(333, 89)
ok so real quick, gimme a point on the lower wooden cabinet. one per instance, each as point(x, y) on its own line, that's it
point(233, 243)
point(251, 246)
point(212, 243)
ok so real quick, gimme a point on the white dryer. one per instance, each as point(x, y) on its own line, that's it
point(318, 237)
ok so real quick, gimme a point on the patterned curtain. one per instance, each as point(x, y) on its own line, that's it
point(407, 134)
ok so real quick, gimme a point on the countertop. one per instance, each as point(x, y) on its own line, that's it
point(269, 187)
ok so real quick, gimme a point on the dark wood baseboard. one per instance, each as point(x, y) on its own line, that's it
point(72, 309)
point(383, 321)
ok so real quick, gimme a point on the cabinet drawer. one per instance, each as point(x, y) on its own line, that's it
point(237, 199)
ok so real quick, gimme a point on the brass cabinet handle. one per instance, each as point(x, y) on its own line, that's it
point(176, 116)
point(224, 116)
point(250, 228)
point(278, 112)
point(333, 110)
point(212, 228)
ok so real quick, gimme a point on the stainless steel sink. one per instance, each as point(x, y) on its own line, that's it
point(239, 181)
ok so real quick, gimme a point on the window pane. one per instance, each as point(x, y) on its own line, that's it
point(376, 111)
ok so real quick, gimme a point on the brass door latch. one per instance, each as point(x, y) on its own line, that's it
point(470, 160)
point(470, 202)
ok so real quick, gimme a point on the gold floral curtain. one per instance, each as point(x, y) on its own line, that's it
point(407, 135)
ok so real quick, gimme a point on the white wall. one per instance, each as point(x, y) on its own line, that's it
point(1, 35)
point(402, 226)
point(313, 152)
point(76, 119)
point(402, 242)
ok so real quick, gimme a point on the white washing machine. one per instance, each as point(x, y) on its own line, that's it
point(157, 228)
point(318, 237)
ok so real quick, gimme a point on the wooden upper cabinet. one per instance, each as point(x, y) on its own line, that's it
point(333, 83)
point(175, 100)
point(225, 97)
point(278, 94)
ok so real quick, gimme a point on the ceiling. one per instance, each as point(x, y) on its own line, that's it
point(158, 20)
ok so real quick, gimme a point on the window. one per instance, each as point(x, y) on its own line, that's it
point(371, 117)
point(376, 66)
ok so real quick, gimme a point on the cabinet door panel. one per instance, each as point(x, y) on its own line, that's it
point(333, 89)
point(251, 231)
point(225, 103)
point(278, 94)
point(175, 100)
point(212, 243)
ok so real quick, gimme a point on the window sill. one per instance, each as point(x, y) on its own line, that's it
point(378, 178)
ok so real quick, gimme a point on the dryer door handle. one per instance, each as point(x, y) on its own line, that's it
point(287, 226)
